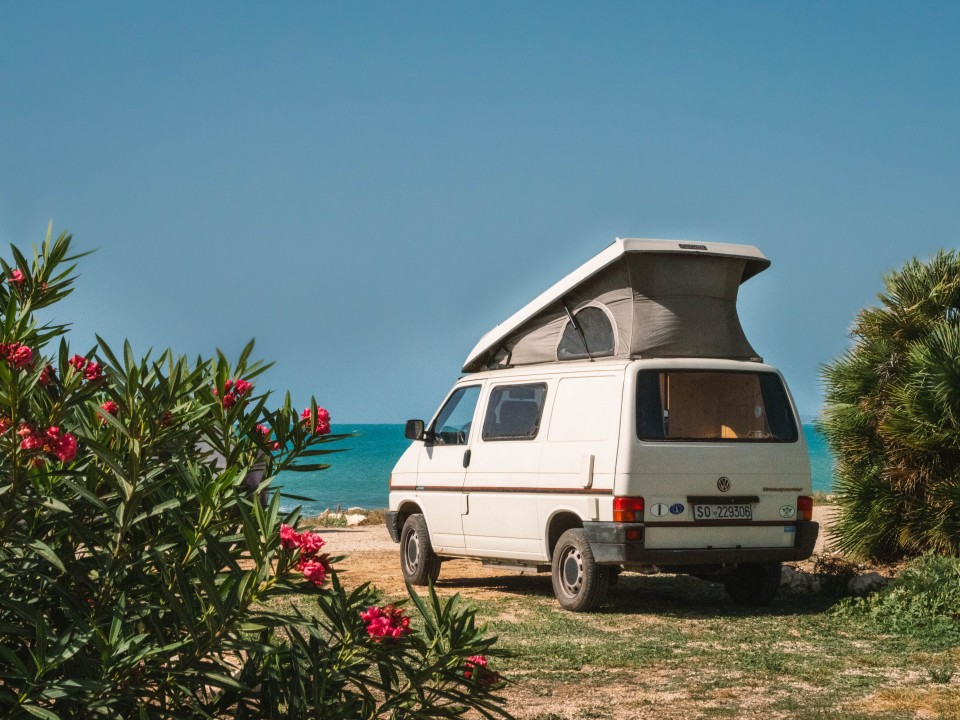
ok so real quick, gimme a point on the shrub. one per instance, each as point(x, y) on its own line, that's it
point(892, 417)
point(143, 552)
point(835, 574)
point(922, 601)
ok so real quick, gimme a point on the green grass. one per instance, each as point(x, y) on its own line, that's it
point(681, 638)
point(676, 647)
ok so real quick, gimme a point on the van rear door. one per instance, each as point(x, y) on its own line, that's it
point(719, 458)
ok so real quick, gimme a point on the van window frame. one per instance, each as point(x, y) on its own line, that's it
point(488, 413)
point(433, 423)
point(788, 404)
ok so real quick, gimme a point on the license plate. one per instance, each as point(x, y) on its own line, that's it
point(723, 512)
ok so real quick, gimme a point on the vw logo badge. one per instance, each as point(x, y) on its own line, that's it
point(723, 484)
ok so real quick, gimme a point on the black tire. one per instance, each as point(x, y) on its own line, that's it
point(578, 582)
point(419, 564)
point(755, 585)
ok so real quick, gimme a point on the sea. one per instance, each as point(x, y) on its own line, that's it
point(360, 476)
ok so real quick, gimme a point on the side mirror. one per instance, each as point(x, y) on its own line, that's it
point(413, 430)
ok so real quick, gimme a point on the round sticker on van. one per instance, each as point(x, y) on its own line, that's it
point(787, 511)
point(676, 508)
point(659, 510)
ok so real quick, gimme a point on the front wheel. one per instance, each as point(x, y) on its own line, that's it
point(578, 582)
point(754, 584)
point(418, 562)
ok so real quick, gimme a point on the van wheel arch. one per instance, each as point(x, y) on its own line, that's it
point(405, 511)
point(558, 525)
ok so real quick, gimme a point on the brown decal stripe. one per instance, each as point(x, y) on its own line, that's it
point(719, 523)
point(468, 489)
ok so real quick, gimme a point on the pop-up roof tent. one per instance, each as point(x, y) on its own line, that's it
point(636, 298)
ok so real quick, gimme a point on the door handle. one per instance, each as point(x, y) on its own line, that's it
point(466, 458)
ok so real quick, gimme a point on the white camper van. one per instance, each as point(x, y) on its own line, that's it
point(621, 420)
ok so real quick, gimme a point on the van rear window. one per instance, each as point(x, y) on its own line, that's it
point(696, 405)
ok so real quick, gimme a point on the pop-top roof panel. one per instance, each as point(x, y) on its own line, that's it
point(620, 278)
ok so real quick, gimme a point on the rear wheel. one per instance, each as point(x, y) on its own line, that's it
point(578, 582)
point(418, 562)
point(754, 584)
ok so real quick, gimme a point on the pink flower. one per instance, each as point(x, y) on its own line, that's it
point(310, 543)
point(315, 570)
point(31, 439)
point(61, 446)
point(321, 425)
point(5, 424)
point(93, 371)
point(47, 376)
point(385, 622)
point(313, 566)
point(110, 407)
point(265, 436)
point(20, 356)
point(233, 390)
point(64, 448)
point(78, 362)
point(476, 669)
point(17, 278)
point(289, 538)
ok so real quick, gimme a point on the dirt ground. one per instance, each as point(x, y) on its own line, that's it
point(374, 557)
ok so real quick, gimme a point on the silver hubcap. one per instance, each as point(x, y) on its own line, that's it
point(571, 571)
point(411, 553)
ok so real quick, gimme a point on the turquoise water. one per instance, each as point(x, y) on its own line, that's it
point(361, 475)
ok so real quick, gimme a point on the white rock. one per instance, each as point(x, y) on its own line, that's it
point(800, 582)
point(354, 519)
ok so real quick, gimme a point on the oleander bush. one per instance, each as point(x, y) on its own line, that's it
point(142, 542)
point(892, 417)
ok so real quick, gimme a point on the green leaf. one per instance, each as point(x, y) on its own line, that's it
point(44, 551)
point(40, 712)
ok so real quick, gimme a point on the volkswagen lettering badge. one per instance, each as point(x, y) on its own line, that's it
point(723, 484)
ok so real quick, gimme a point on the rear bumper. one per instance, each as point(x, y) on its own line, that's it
point(610, 546)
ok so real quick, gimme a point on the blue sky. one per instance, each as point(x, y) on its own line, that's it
point(366, 188)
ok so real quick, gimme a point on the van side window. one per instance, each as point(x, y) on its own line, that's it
point(514, 412)
point(452, 426)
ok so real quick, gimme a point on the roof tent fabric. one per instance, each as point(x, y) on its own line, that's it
point(663, 302)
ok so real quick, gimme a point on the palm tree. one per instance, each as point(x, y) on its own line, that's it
point(892, 417)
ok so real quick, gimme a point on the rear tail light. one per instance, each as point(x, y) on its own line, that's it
point(804, 508)
point(627, 509)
